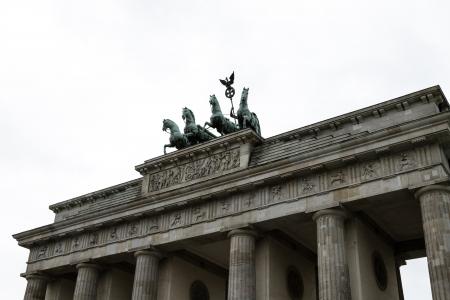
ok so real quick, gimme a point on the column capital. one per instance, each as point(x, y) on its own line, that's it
point(149, 252)
point(37, 275)
point(243, 231)
point(88, 266)
point(431, 188)
point(332, 211)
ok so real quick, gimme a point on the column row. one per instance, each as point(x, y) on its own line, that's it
point(333, 274)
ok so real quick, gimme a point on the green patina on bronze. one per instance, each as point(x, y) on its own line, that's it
point(245, 117)
point(177, 139)
point(218, 121)
point(195, 134)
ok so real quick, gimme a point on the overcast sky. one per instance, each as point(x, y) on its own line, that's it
point(84, 85)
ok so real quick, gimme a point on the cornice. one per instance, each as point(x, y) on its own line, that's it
point(94, 196)
point(432, 94)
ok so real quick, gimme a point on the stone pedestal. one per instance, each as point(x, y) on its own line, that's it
point(145, 286)
point(334, 281)
point(36, 287)
point(242, 273)
point(435, 206)
point(87, 279)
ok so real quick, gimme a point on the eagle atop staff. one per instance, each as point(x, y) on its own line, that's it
point(228, 82)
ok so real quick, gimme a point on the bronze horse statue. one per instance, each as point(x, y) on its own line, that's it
point(246, 118)
point(194, 133)
point(218, 121)
point(177, 139)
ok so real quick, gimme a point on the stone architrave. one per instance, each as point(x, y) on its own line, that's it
point(145, 286)
point(87, 280)
point(242, 272)
point(334, 280)
point(435, 207)
point(36, 287)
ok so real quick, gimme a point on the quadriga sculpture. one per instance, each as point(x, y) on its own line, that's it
point(218, 121)
point(194, 133)
point(177, 139)
point(245, 117)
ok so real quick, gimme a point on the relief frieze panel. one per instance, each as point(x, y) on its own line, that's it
point(370, 170)
point(308, 185)
point(294, 187)
point(209, 166)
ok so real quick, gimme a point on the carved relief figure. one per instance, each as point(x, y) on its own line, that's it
point(176, 220)
point(369, 171)
point(406, 161)
point(201, 168)
point(235, 159)
point(132, 229)
point(42, 251)
point(276, 193)
point(75, 243)
point(307, 185)
point(93, 239)
point(153, 224)
point(225, 204)
point(198, 214)
point(250, 199)
point(113, 233)
point(337, 178)
point(58, 248)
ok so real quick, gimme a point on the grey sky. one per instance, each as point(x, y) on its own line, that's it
point(84, 85)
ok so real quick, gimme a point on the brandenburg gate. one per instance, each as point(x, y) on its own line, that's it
point(329, 211)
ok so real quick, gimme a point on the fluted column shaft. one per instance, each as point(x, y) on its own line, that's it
point(435, 207)
point(145, 286)
point(242, 272)
point(87, 279)
point(334, 281)
point(36, 287)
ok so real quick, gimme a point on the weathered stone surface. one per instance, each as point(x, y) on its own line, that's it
point(334, 280)
point(145, 285)
point(435, 204)
point(242, 272)
point(36, 287)
point(87, 279)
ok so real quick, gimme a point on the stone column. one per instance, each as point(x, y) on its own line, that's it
point(242, 273)
point(36, 287)
point(87, 279)
point(435, 207)
point(334, 280)
point(145, 285)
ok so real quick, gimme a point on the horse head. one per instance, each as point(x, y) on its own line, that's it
point(244, 97)
point(188, 115)
point(215, 106)
point(169, 124)
point(212, 99)
point(164, 128)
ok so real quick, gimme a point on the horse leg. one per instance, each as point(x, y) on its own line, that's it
point(209, 124)
point(166, 146)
